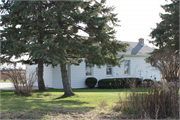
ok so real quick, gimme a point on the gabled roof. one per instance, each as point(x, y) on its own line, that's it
point(136, 48)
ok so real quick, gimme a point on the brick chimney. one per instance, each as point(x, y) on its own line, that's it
point(141, 41)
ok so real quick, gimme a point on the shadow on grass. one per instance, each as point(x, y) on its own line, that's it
point(38, 106)
point(39, 100)
point(61, 97)
point(44, 103)
point(87, 90)
point(97, 90)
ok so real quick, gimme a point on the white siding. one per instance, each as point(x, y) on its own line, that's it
point(78, 76)
point(29, 70)
point(56, 76)
point(138, 64)
point(99, 73)
point(47, 74)
point(78, 73)
point(118, 71)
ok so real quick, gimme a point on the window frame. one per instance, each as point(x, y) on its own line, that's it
point(107, 67)
point(90, 67)
point(129, 67)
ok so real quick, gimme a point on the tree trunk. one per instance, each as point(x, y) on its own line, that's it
point(41, 85)
point(65, 80)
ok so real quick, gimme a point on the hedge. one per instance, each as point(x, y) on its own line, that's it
point(118, 83)
point(148, 82)
point(91, 82)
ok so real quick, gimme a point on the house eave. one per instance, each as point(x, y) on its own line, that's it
point(133, 55)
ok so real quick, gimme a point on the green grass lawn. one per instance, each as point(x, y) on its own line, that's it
point(7, 81)
point(85, 99)
point(48, 104)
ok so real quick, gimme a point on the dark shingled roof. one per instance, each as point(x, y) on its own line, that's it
point(136, 48)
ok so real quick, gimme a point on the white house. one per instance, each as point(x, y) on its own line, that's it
point(133, 66)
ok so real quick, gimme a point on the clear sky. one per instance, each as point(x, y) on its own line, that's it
point(137, 18)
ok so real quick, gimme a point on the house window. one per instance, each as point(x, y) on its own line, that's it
point(109, 70)
point(127, 67)
point(88, 69)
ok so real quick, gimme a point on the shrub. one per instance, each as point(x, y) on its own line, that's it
point(119, 83)
point(91, 82)
point(106, 83)
point(160, 102)
point(148, 80)
point(3, 77)
point(23, 86)
point(147, 83)
point(132, 82)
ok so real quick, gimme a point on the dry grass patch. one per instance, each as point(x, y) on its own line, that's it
point(62, 114)
point(160, 102)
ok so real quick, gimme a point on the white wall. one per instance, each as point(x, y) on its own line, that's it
point(78, 76)
point(52, 76)
point(78, 73)
point(47, 74)
point(56, 76)
point(29, 70)
point(138, 64)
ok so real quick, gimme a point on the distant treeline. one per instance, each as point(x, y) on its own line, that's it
point(13, 70)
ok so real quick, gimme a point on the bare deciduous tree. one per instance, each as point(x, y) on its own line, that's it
point(23, 84)
point(167, 61)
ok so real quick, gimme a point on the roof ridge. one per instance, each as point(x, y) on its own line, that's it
point(136, 48)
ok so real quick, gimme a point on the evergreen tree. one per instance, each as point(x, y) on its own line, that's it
point(166, 36)
point(167, 31)
point(51, 29)
point(99, 47)
point(25, 30)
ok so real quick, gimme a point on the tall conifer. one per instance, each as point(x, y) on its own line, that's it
point(25, 30)
point(53, 31)
point(167, 31)
point(98, 47)
point(166, 37)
